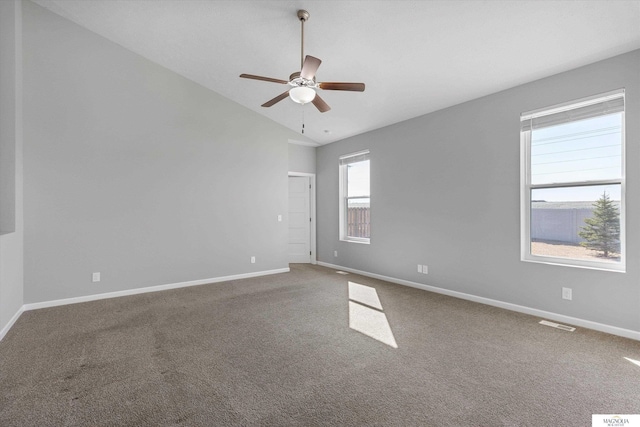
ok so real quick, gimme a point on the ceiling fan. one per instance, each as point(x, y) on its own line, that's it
point(303, 82)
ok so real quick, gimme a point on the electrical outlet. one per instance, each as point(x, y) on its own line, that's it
point(567, 294)
point(279, 218)
point(335, 253)
point(95, 277)
point(425, 269)
point(419, 268)
point(253, 260)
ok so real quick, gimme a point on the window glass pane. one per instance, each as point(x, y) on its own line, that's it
point(358, 179)
point(584, 150)
point(358, 217)
point(577, 222)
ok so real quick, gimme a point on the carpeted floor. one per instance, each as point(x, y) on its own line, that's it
point(279, 351)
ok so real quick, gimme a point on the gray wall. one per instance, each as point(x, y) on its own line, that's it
point(445, 192)
point(7, 118)
point(11, 245)
point(140, 174)
point(302, 158)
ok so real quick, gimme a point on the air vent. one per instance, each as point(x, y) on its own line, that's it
point(557, 326)
point(342, 272)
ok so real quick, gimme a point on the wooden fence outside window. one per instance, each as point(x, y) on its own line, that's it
point(358, 222)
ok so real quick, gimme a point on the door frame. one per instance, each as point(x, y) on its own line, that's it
point(312, 210)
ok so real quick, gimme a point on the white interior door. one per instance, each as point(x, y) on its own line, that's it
point(299, 220)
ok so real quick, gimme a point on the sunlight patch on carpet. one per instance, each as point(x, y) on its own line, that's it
point(636, 362)
point(364, 295)
point(366, 316)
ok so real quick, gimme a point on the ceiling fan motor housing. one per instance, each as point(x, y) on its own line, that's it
point(296, 80)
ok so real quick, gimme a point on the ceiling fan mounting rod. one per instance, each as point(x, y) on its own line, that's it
point(303, 15)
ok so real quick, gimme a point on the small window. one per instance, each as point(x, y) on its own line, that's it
point(573, 183)
point(355, 198)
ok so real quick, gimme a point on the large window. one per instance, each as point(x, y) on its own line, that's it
point(355, 198)
point(573, 183)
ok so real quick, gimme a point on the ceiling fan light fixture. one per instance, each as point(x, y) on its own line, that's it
point(302, 94)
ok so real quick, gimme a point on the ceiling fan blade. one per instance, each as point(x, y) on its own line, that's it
point(355, 87)
point(266, 79)
point(322, 106)
point(309, 67)
point(276, 99)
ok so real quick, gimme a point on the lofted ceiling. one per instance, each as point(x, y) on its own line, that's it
point(415, 57)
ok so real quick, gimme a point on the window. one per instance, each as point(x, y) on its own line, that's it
point(573, 183)
point(355, 198)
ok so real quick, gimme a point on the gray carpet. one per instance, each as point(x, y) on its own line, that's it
point(278, 351)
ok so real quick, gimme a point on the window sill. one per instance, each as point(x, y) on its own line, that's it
point(563, 262)
point(362, 242)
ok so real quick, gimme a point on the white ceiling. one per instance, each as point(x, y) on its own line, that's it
point(415, 57)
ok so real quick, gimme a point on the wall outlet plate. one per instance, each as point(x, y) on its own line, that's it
point(95, 277)
point(567, 294)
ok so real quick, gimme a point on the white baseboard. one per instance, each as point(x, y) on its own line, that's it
point(13, 320)
point(614, 330)
point(75, 300)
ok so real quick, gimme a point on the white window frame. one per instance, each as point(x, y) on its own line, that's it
point(343, 199)
point(526, 186)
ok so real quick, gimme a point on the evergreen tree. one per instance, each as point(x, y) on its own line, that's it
point(602, 230)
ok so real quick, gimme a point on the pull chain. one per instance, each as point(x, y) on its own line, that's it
point(303, 119)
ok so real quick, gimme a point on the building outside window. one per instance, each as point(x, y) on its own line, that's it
point(573, 183)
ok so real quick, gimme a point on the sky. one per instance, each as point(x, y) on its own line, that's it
point(359, 179)
point(582, 150)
